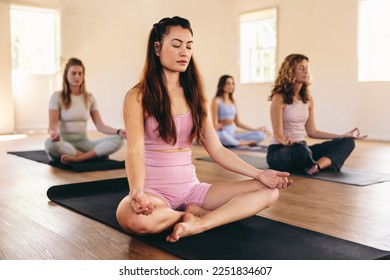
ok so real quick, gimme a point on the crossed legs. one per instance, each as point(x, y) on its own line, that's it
point(225, 202)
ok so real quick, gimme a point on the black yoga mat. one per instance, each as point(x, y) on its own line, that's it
point(90, 165)
point(347, 176)
point(255, 238)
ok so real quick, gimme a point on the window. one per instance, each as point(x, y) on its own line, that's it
point(374, 40)
point(35, 40)
point(258, 46)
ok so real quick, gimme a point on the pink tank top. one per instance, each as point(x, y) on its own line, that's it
point(153, 141)
point(295, 116)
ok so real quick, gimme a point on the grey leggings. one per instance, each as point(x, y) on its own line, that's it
point(71, 143)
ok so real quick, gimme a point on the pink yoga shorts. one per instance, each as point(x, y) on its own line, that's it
point(171, 175)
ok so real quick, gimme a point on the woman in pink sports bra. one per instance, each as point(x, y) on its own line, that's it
point(163, 114)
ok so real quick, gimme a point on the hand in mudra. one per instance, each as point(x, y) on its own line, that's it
point(274, 179)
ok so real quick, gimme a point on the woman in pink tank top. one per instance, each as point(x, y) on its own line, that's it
point(164, 113)
point(292, 120)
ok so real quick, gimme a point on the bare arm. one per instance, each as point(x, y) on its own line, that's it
point(100, 125)
point(277, 106)
point(214, 114)
point(230, 161)
point(135, 162)
point(54, 116)
point(244, 126)
point(134, 124)
point(313, 132)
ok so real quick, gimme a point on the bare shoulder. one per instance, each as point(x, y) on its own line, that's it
point(278, 97)
point(133, 95)
point(133, 92)
point(277, 100)
point(214, 101)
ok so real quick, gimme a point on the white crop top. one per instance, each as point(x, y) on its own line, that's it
point(74, 119)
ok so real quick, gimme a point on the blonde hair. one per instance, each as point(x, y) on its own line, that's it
point(65, 93)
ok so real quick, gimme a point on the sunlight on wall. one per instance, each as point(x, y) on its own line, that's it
point(35, 40)
point(374, 40)
point(10, 137)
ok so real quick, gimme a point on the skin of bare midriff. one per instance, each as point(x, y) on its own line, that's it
point(227, 122)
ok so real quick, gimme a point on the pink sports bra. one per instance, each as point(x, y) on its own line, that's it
point(183, 124)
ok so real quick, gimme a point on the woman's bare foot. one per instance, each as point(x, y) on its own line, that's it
point(67, 159)
point(247, 143)
point(196, 210)
point(312, 170)
point(190, 225)
point(80, 156)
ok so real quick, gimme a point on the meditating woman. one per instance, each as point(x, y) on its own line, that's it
point(226, 118)
point(292, 117)
point(163, 114)
point(69, 111)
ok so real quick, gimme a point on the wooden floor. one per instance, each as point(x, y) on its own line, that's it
point(32, 227)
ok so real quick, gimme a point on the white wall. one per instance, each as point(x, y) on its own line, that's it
point(326, 31)
point(6, 102)
point(30, 96)
point(110, 37)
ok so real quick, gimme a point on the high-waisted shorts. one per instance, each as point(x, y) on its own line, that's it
point(172, 176)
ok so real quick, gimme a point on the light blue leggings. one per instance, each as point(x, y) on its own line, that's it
point(71, 143)
point(230, 138)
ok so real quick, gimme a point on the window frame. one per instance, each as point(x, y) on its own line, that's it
point(253, 53)
point(31, 67)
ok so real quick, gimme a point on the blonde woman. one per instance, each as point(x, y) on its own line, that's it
point(69, 111)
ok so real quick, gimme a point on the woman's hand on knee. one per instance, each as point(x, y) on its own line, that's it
point(274, 179)
point(140, 203)
point(54, 136)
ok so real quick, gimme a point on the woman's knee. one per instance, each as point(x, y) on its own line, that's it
point(109, 146)
point(135, 226)
point(49, 144)
point(349, 142)
point(117, 142)
point(52, 148)
point(268, 196)
point(273, 195)
point(301, 149)
point(259, 136)
point(274, 162)
point(226, 139)
point(131, 222)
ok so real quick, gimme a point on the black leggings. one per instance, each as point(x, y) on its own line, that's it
point(301, 156)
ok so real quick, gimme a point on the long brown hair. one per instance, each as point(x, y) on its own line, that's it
point(66, 92)
point(284, 83)
point(221, 85)
point(155, 98)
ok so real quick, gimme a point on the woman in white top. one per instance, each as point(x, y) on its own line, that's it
point(69, 111)
point(292, 117)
